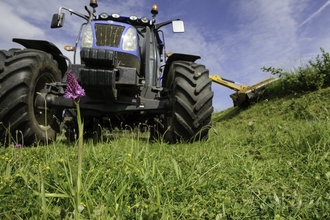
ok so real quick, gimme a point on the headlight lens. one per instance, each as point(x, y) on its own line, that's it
point(129, 42)
point(115, 15)
point(104, 15)
point(133, 17)
point(87, 40)
point(145, 20)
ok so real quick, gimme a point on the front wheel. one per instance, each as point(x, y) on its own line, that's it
point(189, 87)
point(23, 74)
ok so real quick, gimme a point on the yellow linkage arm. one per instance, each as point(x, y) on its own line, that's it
point(227, 83)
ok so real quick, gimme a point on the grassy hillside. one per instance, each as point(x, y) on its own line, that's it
point(268, 161)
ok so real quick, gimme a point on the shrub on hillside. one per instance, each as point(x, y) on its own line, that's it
point(312, 76)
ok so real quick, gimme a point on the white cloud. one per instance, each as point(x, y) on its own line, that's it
point(15, 26)
point(267, 37)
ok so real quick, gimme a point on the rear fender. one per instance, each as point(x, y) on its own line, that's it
point(176, 57)
point(47, 47)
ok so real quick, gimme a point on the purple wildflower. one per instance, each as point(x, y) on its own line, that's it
point(73, 89)
point(18, 146)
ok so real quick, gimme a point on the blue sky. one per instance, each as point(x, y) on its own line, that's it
point(235, 38)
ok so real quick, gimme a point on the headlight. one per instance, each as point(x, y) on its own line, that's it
point(129, 42)
point(87, 40)
point(145, 20)
point(104, 15)
point(133, 17)
point(115, 15)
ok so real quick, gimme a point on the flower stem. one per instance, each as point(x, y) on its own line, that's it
point(80, 148)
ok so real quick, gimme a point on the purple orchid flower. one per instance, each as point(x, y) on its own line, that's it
point(73, 89)
point(18, 146)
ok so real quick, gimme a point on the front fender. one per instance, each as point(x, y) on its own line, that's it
point(47, 47)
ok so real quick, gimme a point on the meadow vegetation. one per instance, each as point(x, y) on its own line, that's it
point(267, 161)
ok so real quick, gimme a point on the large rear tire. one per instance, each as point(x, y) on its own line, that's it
point(190, 89)
point(23, 73)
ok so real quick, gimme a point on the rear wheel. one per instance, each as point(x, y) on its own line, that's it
point(23, 73)
point(190, 89)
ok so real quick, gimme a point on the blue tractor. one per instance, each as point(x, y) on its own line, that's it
point(128, 77)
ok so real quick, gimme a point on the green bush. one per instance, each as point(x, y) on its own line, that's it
point(309, 77)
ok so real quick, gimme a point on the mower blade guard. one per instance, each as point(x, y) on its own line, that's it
point(243, 97)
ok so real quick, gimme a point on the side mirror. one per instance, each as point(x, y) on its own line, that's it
point(178, 26)
point(57, 21)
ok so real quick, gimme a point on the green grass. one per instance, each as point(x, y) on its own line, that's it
point(268, 161)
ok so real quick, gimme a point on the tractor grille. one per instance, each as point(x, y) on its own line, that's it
point(108, 35)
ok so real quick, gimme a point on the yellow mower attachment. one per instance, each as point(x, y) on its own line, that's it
point(244, 94)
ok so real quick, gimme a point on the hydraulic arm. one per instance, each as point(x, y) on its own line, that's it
point(244, 94)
